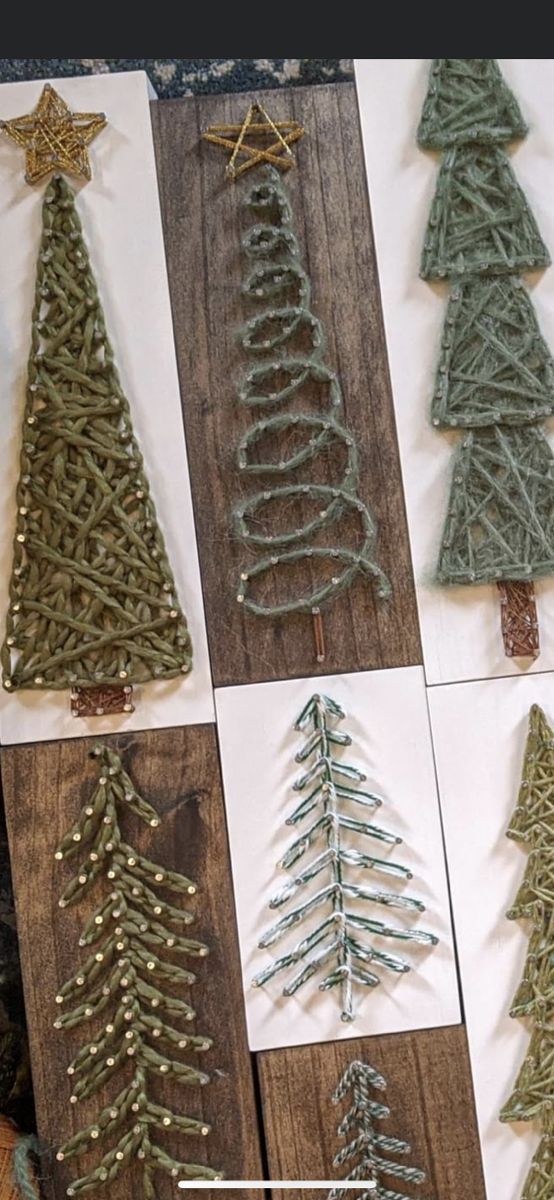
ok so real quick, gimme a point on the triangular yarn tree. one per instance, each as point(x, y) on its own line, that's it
point(532, 824)
point(335, 926)
point(129, 986)
point(367, 1155)
point(93, 605)
point(495, 377)
point(468, 101)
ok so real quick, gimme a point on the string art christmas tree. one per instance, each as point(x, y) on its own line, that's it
point(93, 605)
point(129, 986)
point(495, 377)
point(308, 532)
point(533, 825)
point(367, 1153)
point(338, 936)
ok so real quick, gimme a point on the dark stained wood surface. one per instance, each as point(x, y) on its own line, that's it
point(177, 771)
point(203, 222)
point(429, 1094)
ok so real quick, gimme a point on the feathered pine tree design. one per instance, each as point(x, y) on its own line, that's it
point(366, 1153)
point(533, 825)
point(336, 938)
point(127, 982)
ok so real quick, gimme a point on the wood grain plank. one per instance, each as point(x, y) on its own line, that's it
point(429, 1093)
point(203, 226)
point(177, 770)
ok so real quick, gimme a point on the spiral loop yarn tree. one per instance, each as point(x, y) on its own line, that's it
point(272, 386)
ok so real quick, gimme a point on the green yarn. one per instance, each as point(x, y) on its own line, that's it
point(125, 979)
point(500, 518)
point(494, 363)
point(92, 597)
point(538, 1185)
point(495, 375)
point(365, 1153)
point(480, 221)
point(468, 101)
point(532, 824)
point(334, 831)
point(290, 341)
point(24, 1177)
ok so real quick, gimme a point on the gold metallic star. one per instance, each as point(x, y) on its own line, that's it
point(258, 127)
point(54, 138)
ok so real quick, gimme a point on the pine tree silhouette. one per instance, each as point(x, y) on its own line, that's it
point(496, 375)
point(337, 938)
point(92, 596)
point(366, 1154)
point(128, 981)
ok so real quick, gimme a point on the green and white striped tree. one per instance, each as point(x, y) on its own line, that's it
point(338, 938)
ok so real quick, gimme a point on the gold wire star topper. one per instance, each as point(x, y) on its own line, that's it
point(258, 126)
point(54, 138)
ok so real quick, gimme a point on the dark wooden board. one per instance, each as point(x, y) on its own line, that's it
point(429, 1094)
point(203, 222)
point(177, 770)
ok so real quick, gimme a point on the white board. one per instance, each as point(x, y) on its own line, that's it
point(121, 218)
point(460, 627)
point(479, 732)
point(387, 719)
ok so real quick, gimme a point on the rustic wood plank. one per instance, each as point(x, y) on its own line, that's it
point(429, 1093)
point(177, 770)
point(202, 222)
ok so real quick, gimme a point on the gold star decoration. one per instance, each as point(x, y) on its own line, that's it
point(54, 138)
point(276, 138)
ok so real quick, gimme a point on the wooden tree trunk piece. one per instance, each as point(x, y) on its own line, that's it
point(518, 615)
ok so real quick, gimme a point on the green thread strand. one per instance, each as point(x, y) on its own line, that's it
point(25, 1153)
point(495, 374)
point(337, 808)
point(279, 283)
point(367, 1153)
point(125, 977)
point(468, 101)
point(532, 825)
point(92, 596)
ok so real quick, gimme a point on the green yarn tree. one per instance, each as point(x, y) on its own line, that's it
point(129, 986)
point(332, 803)
point(533, 825)
point(92, 603)
point(307, 511)
point(367, 1153)
point(496, 377)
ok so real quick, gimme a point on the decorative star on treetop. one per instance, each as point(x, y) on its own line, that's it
point(275, 137)
point(54, 138)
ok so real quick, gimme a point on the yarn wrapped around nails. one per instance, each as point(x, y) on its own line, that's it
point(286, 340)
point(92, 598)
point(132, 989)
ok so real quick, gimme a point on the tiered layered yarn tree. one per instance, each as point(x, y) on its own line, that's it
point(533, 825)
point(93, 605)
point(131, 988)
point(332, 816)
point(495, 377)
point(307, 511)
point(367, 1155)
